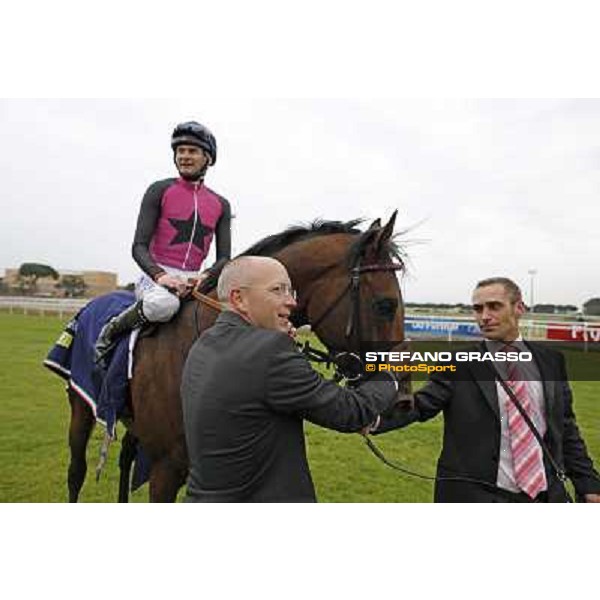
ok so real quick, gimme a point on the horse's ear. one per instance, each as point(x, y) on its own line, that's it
point(385, 234)
point(376, 224)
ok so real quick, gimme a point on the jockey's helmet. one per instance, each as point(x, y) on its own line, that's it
point(193, 133)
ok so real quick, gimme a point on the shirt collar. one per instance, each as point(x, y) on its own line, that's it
point(495, 346)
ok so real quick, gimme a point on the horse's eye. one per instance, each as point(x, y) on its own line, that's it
point(385, 308)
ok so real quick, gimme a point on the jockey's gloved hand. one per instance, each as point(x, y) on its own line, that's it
point(176, 285)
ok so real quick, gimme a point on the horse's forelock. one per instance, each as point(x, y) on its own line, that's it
point(390, 250)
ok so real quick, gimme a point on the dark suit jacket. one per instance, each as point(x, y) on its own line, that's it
point(471, 445)
point(245, 393)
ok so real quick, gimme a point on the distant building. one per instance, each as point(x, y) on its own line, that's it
point(96, 283)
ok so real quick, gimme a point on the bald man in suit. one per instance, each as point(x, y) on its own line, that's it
point(246, 390)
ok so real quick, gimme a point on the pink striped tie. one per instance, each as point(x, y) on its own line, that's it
point(527, 454)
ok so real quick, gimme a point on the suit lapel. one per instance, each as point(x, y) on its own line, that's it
point(545, 369)
point(483, 377)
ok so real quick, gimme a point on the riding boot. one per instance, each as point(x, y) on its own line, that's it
point(129, 319)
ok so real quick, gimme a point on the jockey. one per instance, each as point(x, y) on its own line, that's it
point(176, 224)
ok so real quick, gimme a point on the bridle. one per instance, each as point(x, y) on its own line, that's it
point(347, 364)
point(353, 286)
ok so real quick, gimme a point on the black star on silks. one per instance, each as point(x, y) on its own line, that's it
point(184, 231)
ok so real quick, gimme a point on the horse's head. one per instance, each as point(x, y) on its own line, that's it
point(347, 285)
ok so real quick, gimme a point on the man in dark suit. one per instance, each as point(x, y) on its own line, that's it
point(485, 436)
point(246, 390)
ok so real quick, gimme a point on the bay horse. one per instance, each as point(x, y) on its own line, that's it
point(347, 291)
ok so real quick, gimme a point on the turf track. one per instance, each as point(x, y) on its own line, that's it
point(34, 416)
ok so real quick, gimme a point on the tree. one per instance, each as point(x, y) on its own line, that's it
point(554, 309)
point(592, 307)
point(548, 309)
point(74, 286)
point(29, 273)
point(566, 308)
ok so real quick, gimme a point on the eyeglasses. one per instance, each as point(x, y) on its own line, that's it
point(281, 290)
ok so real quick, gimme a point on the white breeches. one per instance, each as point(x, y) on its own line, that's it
point(158, 304)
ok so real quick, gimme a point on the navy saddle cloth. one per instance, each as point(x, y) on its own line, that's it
point(72, 358)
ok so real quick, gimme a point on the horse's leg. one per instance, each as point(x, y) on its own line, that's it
point(80, 428)
point(126, 458)
point(166, 478)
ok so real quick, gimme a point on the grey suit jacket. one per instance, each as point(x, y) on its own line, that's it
point(471, 443)
point(245, 393)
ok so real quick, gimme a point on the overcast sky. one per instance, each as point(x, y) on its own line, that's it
point(488, 187)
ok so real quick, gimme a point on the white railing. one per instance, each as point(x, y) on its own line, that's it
point(41, 306)
point(423, 326)
point(435, 327)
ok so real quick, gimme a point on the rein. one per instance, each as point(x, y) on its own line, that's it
point(207, 301)
point(458, 479)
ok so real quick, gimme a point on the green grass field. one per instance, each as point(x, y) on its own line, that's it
point(34, 415)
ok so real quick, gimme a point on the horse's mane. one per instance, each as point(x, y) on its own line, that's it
point(296, 233)
point(274, 243)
